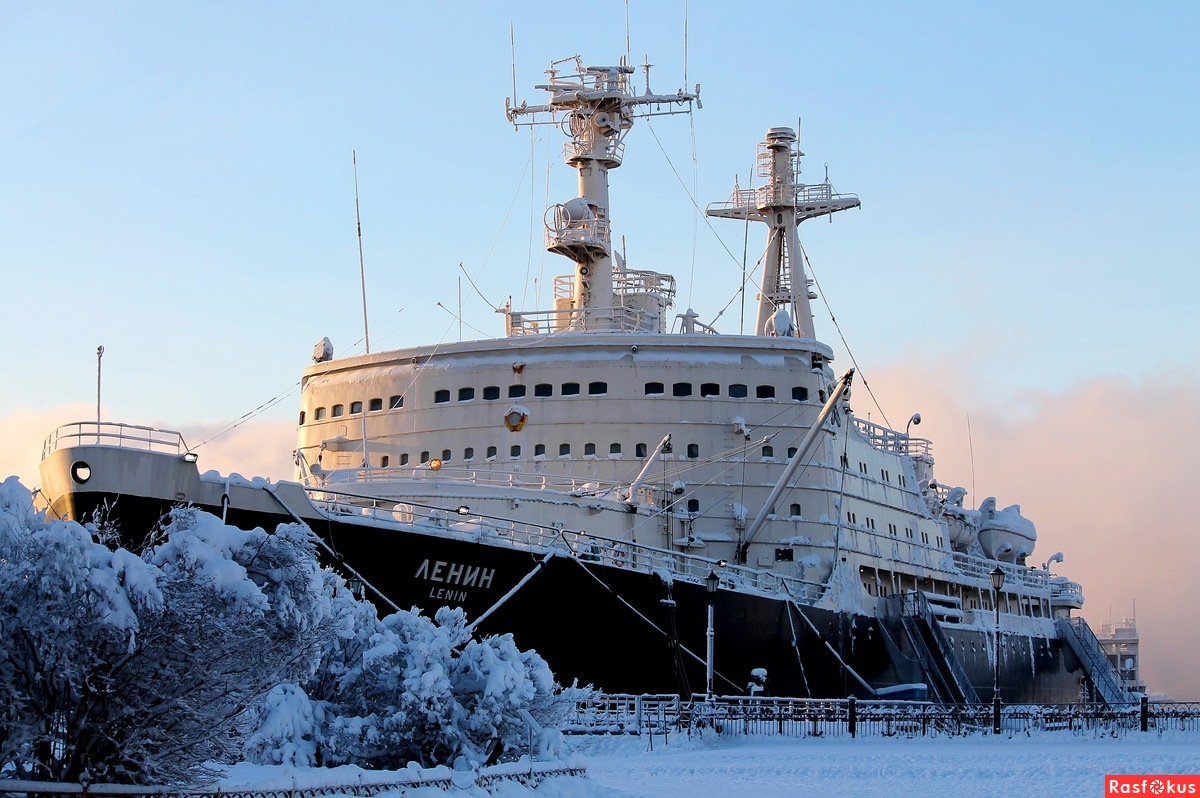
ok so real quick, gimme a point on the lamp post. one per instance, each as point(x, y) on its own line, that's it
point(997, 586)
point(99, 357)
point(711, 582)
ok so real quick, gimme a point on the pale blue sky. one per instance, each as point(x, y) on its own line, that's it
point(175, 181)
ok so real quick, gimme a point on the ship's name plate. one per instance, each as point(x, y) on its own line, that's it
point(456, 573)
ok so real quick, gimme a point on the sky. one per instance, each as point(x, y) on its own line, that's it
point(176, 185)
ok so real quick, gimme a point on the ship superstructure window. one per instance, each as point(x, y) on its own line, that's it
point(597, 388)
point(569, 389)
point(404, 459)
point(791, 452)
point(908, 532)
point(395, 402)
point(514, 450)
point(384, 461)
point(564, 450)
point(466, 394)
point(693, 506)
point(445, 455)
point(516, 391)
point(765, 392)
point(639, 450)
point(355, 407)
point(795, 511)
point(800, 393)
point(851, 518)
point(738, 391)
point(491, 392)
point(693, 451)
point(710, 389)
point(375, 405)
point(681, 389)
point(469, 454)
point(424, 457)
point(441, 397)
point(589, 449)
point(892, 530)
point(654, 389)
point(614, 448)
point(338, 410)
point(539, 450)
point(491, 452)
point(543, 389)
point(768, 451)
point(301, 416)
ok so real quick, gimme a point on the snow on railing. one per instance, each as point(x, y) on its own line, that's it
point(108, 433)
point(315, 783)
point(545, 322)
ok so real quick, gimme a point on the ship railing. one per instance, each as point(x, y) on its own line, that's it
point(1035, 579)
point(512, 479)
point(109, 433)
point(563, 229)
point(583, 545)
point(644, 281)
point(780, 195)
point(890, 440)
point(608, 149)
point(546, 322)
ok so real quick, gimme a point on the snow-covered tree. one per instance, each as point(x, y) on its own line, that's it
point(140, 668)
point(408, 688)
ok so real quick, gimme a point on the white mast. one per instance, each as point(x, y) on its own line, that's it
point(782, 204)
point(599, 106)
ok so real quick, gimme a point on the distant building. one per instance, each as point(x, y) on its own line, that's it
point(1120, 642)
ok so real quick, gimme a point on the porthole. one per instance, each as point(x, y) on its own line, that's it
point(81, 472)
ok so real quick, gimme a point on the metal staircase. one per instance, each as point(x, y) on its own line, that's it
point(942, 668)
point(1106, 682)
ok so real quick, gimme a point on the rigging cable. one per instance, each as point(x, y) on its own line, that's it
point(845, 343)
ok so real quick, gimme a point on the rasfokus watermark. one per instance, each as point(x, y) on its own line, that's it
point(1128, 784)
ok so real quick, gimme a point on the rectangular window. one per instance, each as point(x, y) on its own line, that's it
point(466, 394)
point(539, 450)
point(800, 393)
point(355, 407)
point(441, 397)
point(682, 389)
point(710, 389)
point(597, 388)
point(516, 391)
point(654, 389)
point(569, 389)
point(765, 392)
point(491, 392)
point(564, 450)
point(543, 389)
point(375, 405)
point(491, 452)
point(338, 410)
point(514, 450)
point(738, 391)
point(693, 451)
point(395, 402)
point(639, 450)
point(301, 416)
point(614, 448)
point(468, 454)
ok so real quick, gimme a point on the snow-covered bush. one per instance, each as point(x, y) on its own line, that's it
point(140, 668)
point(411, 689)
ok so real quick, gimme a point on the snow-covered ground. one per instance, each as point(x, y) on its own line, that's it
point(1059, 764)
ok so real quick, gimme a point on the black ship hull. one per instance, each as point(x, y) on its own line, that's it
point(628, 627)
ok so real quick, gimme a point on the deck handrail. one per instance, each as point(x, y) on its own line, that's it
point(111, 433)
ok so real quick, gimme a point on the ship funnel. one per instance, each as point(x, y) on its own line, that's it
point(780, 134)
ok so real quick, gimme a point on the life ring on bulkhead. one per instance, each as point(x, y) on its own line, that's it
point(515, 418)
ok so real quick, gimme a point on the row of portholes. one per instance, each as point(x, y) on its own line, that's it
point(539, 450)
point(544, 389)
point(373, 406)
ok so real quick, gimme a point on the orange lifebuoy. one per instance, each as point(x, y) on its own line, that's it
point(515, 419)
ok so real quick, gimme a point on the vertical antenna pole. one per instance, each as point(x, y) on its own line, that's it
point(99, 355)
point(512, 46)
point(628, 57)
point(362, 272)
point(460, 309)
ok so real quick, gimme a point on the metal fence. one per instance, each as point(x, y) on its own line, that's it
point(366, 785)
point(800, 717)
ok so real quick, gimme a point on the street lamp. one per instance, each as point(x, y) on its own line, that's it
point(997, 586)
point(711, 583)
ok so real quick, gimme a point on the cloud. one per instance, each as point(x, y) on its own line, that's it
point(1104, 469)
